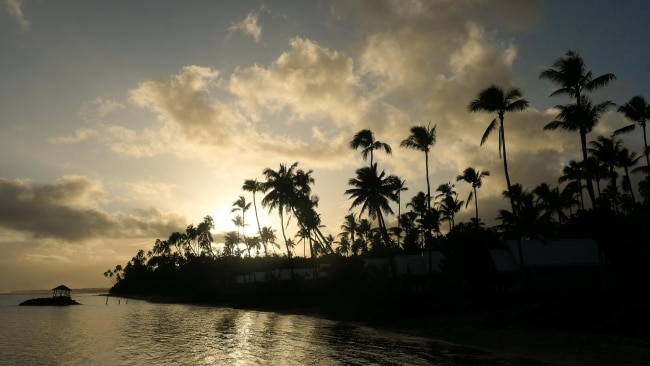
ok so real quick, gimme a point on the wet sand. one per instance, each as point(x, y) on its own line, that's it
point(554, 347)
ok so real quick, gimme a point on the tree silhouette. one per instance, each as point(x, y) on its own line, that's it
point(574, 173)
point(373, 191)
point(197, 240)
point(636, 110)
point(448, 202)
point(475, 178)
point(399, 186)
point(267, 235)
point(240, 205)
point(553, 201)
point(350, 227)
point(626, 160)
point(253, 186)
point(582, 117)
point(494, 99)
point(608, 151)
point(285, 188)
point(421, 139)
point(571, 75)
point(365, 140)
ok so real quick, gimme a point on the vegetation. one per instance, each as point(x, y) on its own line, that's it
point(190, 266)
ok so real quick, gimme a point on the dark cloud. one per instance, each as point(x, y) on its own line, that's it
point(67, 210)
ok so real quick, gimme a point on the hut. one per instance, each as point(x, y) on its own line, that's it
point(61, 291)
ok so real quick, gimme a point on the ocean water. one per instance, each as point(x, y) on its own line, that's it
point(117, 331)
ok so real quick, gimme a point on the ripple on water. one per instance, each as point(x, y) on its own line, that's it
point(141, 333)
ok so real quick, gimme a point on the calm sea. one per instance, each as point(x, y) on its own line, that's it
point(133, 332)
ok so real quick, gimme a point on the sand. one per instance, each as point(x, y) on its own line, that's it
point(554, 347)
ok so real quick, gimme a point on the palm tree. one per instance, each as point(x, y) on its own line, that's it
point(626, 160)
point(475, 178)
point(529, 222)
point(399, 186)
point(494, 99)
point(449, 207)
point(570, 74)
point(449, 204)
point(608, 151)
point(365, 140)
point(267, 235)
point(373, 191)
point(422, 138)
point(283, 187)
point(304, 234)
point(418, 205)
point(240, 205)
point(350, 226)
point(231, 244)
point(253, 186)
point(197, 240)
point(574, 172)
point(553, 201)
point(364, 229)
point(308, 219)
point(636, 110)
point(345, 245)
point(581, 117)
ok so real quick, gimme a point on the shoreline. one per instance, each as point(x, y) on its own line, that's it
point(551, 346)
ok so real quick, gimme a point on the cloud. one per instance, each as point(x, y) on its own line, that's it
point(309, 81)
point(14, 8)
point(69, 209)
point(248, 26)
point(183, 104)
point(411, 62)
point(98, 108)
point(80, 134)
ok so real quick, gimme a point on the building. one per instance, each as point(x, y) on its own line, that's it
point(561, 264)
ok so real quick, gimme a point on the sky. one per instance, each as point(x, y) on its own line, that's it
point(123, 121)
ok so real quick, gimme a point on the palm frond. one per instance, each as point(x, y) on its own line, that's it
point(491, 127)
point(626, 129)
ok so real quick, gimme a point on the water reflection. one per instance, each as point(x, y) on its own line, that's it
point(142, 333)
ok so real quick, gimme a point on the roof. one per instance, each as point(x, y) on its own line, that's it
point(560, 252)
point(61, 287)
point(410, 264)
point(503, 260)
point(435, 257)
point(417, 264)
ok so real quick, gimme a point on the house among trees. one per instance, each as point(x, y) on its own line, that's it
point(61, 291)
point(428, 262)
point(549, 265)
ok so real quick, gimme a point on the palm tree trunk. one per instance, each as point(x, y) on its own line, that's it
point(259, 227)
point(588, 178)
point(426, 165)
point(284, 236)
point(502, 136)
point(384, 233)
point(645, 143)
point(476, 204)
point(399, 213)
point(614, 189)
point(582, 196)
point(629, 183)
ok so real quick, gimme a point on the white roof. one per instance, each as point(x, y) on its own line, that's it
point(410, 264)
point(436, 260)
point(503, 260)
point(559, 252)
